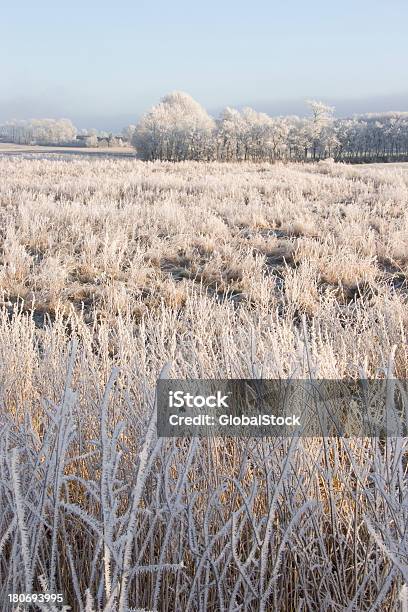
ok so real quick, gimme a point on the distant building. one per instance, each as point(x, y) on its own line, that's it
point(111, 141)
point(91, 140)
point(87, 140)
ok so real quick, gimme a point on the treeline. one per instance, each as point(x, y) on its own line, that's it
point(179, 128)
point(39, 131)
point(58, 132)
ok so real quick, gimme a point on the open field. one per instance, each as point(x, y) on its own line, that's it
point(65, 152)
point(12, 149)
point(111, 269)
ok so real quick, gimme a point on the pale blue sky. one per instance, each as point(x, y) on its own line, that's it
point(107, 61)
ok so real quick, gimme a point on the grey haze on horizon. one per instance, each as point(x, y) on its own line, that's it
point(25, 108)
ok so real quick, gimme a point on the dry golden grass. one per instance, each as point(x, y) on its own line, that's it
point(212, 268)
point(102, 238)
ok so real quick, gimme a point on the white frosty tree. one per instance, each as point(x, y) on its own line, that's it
point(319, 132)
point(40, 131)
point(128, 132)
point(249, 135)
point(178, 128)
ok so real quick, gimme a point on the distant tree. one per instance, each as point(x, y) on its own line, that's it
point(257, 130)
point(319, 131)
point(279, 137)
point(249, 135)
point(51, 131)
point(230, 135)
point(91, 140)
point(128, 132)
point(41, 131)
point(178, 128)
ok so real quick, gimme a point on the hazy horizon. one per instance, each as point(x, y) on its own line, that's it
point(115, 122)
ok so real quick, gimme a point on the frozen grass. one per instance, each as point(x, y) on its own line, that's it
point(112, 269)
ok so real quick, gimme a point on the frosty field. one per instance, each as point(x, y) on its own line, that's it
point(114, 271)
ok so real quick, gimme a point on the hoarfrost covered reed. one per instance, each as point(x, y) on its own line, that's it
point(112, 269)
